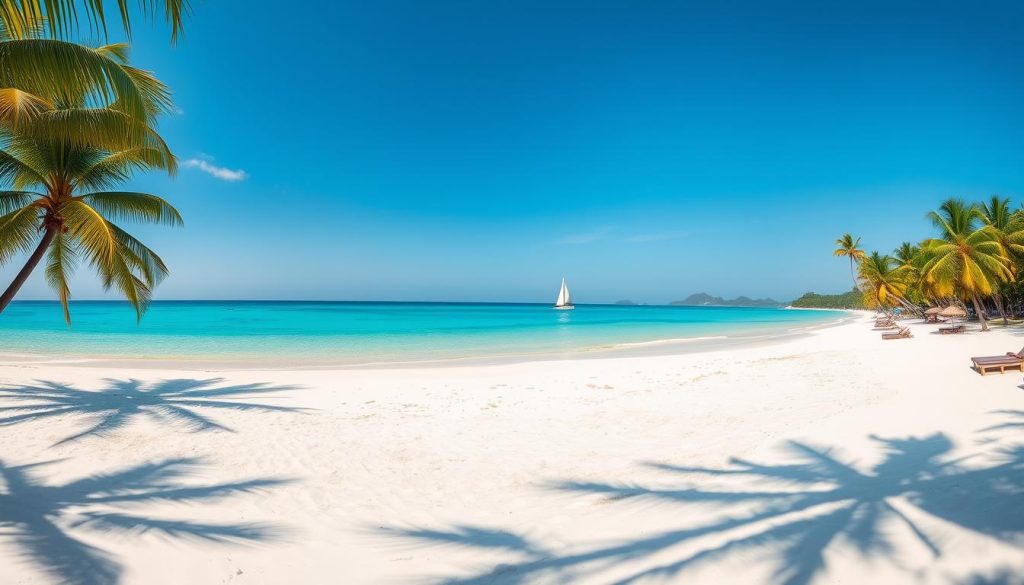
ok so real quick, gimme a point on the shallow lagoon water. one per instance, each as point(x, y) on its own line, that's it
point(362, 332)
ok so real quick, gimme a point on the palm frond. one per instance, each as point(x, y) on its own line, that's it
point(94, 233)
point(158, 95)
point(19, 25)
point(101, 128)
point(122, 261)
point(11, 201)
point(75, 75)
point(19, 231)
point(116, 51)
point(134, 290)
point(63, 18)
point(130, 206)
point(61, 263)
point(17, 172)
point(140, 258)
point(118, 167)
point(18, 107)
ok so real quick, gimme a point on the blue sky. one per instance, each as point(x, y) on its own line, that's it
point(409, 150)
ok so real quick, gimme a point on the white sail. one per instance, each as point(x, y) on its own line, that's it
point(564, 300)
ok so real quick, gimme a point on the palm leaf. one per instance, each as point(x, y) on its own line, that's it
point(116, 51)
point(129, 206)
point(140, 258)
point(19, 231)
point(131, 286)
point(94, 234)
point(101, 128)
point(74, 74)
point(118, 167)
point(62, 16)
point(19, 25)
point(18, 172)
point(61, 263)
point(11, 201)
point(120, 259)
point(19, 107)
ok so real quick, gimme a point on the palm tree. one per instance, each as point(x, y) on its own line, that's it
point(850, 248)
point(62, 17)
point(61, 204)
point(966, 260)
point(61, 160)
point(883, 282)
point(906, 254)
point(1008, 226)
point(909, 260)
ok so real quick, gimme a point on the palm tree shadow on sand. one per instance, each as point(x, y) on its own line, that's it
point(1014, 422)
point(175, 401)
point(39, 518)
point(795, 512)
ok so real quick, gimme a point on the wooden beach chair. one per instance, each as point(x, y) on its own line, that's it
point(999, 362)
point(952, 329)
point(903, 333)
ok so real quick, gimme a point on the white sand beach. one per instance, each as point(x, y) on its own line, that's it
point(831, 458)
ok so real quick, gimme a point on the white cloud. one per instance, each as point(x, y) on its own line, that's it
point(655, 237)
point(585, 238)
point(224, 174)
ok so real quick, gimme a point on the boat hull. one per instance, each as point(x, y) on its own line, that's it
point(564, 307)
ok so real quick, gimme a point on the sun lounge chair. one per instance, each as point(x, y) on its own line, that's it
point(952, 329)
point(999, 362)
point(903, 333)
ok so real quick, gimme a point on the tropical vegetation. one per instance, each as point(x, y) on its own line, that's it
point(853, 299)
point(973, 258)
point(76, 122)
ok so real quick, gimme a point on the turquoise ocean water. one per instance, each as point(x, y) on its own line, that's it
point(361, 332)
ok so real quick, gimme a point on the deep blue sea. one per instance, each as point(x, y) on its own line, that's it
point(361, 332)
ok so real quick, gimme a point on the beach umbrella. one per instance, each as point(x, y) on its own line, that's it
point(933, 311)
point(953, 312)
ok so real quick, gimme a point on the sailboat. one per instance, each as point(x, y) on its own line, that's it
point(564, 300)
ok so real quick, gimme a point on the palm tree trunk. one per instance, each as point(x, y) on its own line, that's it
point(981, 314)
point(853, 275)
point(998, 299)
point(26, 270)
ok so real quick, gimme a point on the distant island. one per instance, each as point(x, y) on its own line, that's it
point(705, 300)
point(853, 299)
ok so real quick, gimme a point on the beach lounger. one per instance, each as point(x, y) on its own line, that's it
point(999, 362)
point(952, 329)
point(903, 333)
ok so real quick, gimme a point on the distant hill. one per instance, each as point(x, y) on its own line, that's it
point(847, 300)
point(704, 299)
